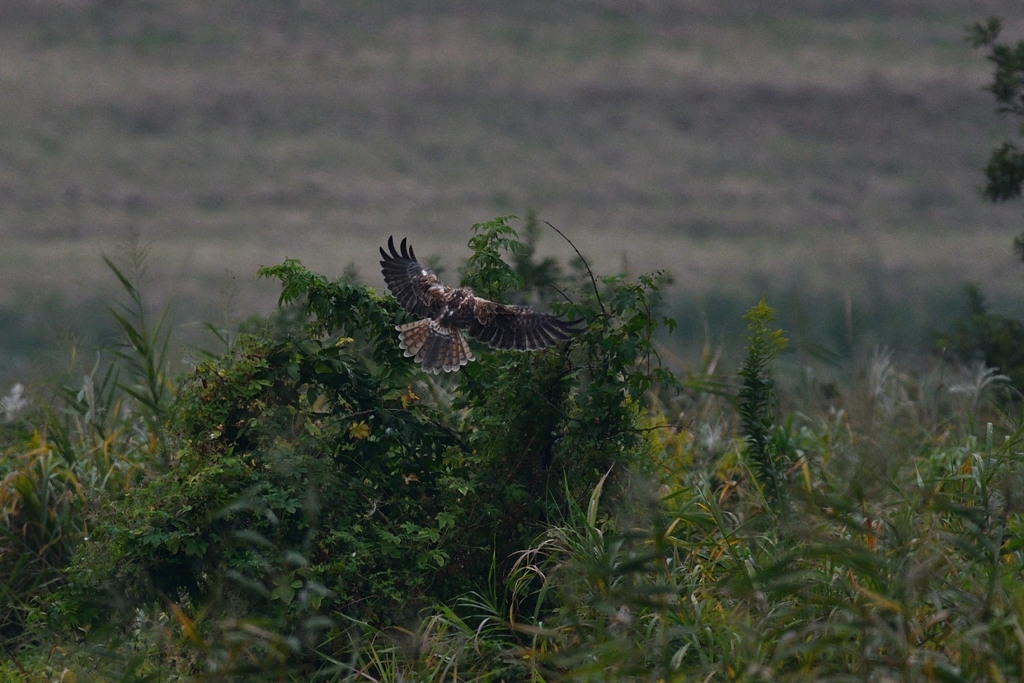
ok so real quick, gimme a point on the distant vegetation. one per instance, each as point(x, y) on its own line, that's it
point(827, 154)
point(983, 335)
point(305, 504)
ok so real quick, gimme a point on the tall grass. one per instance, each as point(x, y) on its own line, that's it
point(67, 460)
point(909, 571)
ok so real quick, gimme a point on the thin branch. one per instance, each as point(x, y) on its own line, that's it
point(564, 296)
point(593, 280)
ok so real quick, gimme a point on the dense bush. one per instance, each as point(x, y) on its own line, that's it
point(320, 473)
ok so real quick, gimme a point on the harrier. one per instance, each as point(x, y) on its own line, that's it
point(437, 340)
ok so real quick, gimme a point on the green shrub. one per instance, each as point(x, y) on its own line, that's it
point(303, 446)
point(545, 427)
point(756, 398)
point(318, 473)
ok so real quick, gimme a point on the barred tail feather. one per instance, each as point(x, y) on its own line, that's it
point(437, 347)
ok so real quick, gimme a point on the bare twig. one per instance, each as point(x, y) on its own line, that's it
point(564, 296)
point(586, 265)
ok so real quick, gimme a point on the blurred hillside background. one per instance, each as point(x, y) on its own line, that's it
point(829, 154)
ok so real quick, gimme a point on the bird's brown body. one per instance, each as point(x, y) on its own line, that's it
point(436, 339)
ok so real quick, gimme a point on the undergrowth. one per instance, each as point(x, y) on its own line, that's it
point(306, 504)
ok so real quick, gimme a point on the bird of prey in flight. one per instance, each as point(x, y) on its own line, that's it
point(436, 339)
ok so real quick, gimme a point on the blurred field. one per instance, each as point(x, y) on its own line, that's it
point(827, 153)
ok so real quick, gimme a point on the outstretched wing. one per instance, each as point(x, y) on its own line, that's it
point(517, 327)
point(415, 287)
